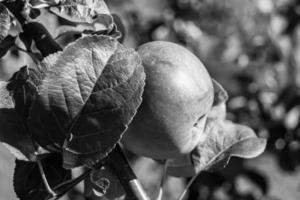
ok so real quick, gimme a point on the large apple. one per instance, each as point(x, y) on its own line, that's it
point(177, 97)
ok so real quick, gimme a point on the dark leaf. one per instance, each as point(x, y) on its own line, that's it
point(28, 182)
point(14, 134)
point(34, 13)
point(23, 87)
point(6, 44)
point(4, 22)
point(87, 99)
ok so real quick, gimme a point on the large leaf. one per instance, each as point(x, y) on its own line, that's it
point(224, 139)
point(28, 182)
point(87, 99)
point(4, 22)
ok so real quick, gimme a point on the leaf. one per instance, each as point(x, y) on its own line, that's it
point(113, 26)
point(89, 29)
point(23, 87)
point(102, 182)
point(34, 13)
point(220, 94)
point(7, 43)
point(92, 16)
point(225, 139)
point(87, 99)
point(120, 26)
point(14, 134)
point(28, 182)
point(218, 111)
point(66, 31)
point(4, 22)
point(80, 11)
point(38, 4)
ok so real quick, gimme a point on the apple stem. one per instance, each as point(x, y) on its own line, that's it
point(121, 167)
point(44, 178)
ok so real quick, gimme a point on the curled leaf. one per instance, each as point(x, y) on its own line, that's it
point(80, 11)
point(14, 134)
point(4, 22)
point(87, 99)
point(120, 26)
point(42, 3)
point(102, 182)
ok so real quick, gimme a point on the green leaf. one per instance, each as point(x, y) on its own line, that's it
point(14, 134)
point(28, 182)
point(4, 22)
point(87, 99)
point(7, 43)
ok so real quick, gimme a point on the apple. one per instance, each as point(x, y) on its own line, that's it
point(177, 98)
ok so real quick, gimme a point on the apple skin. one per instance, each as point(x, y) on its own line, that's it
point(177, 97)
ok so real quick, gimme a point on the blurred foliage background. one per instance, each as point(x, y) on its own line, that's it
point(252, 47)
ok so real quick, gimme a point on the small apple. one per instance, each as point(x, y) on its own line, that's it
point(177, 98)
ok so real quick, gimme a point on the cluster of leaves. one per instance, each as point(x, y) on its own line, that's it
point(70, 109)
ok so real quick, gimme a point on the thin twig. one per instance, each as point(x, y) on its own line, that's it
point(70, 184)
point(186, 189)
point(44, 178)
point(162, 182)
